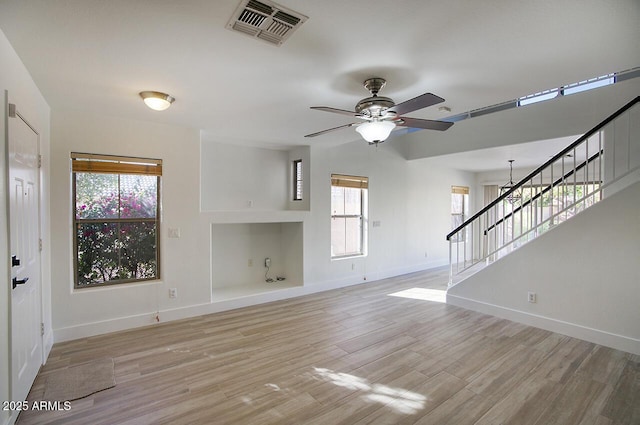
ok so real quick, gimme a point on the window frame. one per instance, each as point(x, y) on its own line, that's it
point(352, 182)
point(464, 192)
point(298, 179)
point(119, 166)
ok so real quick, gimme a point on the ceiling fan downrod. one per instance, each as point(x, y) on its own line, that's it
point(374, 85)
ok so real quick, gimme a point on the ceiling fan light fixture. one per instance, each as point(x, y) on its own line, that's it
point(156, 100)
point(375, 131)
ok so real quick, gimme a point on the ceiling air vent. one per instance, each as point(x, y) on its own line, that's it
point(265, 20)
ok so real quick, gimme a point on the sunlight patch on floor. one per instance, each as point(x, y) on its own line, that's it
point(424, 294)
point(401, 400)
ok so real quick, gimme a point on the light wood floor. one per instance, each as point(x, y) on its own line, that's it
point(351, 356)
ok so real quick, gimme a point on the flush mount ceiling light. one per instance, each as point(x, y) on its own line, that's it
point(156, 100)
point(375, 131)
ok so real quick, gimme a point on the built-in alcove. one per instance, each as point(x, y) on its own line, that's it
point(244, 178)
point(238, 253)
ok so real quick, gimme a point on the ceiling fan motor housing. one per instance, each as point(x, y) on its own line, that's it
point(374, 105)
point(381, 112)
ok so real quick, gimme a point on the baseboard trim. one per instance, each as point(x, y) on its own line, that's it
point(167, 315)
point(619, 342)
point(47, 345)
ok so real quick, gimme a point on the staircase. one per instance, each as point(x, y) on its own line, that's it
point(603, 161)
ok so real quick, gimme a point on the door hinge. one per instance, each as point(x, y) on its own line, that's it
point(39, 161)
point(41, 329)
point(40, 244)
point(12, 110)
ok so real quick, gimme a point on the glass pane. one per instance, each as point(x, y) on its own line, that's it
point(456, 203)
point(337, 200)
point(138, 258)
point(97, 253)
point(298, 171)
point(109, 252)
point(353, 237)
point(352, 201)
point(337, 237)
point(138, 196)
point(298, 190)
point(96, 195)
point(456, 220)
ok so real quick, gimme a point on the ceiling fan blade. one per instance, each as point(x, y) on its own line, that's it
point(416, 103)
point(337, 111)
point(426, 124)
point(332, 129)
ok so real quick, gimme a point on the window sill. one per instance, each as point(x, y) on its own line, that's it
point(347, 257)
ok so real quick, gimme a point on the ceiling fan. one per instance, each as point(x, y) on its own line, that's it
point(382, 114)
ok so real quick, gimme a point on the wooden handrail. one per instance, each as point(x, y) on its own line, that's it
point(545, 165)
point(545, 190)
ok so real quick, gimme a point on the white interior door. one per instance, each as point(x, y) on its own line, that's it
point(26, 338)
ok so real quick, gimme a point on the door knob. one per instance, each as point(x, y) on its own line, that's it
point(17, 281)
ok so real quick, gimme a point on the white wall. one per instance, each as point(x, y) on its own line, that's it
point(235, 244)
point(22, 91)
point(242, 177)
point(184, 261)
point(584, 272)
point(411, 200)
point(622, 149)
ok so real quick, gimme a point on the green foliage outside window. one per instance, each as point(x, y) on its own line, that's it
point(116, 228)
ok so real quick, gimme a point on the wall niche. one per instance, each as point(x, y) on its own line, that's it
point(238, 253)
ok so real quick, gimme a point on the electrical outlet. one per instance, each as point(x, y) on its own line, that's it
point(532, 297)
point(267, 262)
point(173, 293)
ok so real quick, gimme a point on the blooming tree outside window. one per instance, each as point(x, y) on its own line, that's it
point(116, 220)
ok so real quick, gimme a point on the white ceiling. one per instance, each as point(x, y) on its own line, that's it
point(525, 155)
point(96, 55)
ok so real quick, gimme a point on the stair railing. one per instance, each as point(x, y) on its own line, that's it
point(571, 181)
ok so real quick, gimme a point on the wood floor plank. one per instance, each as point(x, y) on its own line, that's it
point(524, 404)
point(502, 374)
point(624, 404)
point(572, 403)
point(349, 356)
point(463, 408)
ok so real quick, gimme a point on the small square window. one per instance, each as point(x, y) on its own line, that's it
point(297, 180)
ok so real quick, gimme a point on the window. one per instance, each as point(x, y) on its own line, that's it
point(297, 180)
point(348, 215)
point(569, 89)
point(538, 97)
point(116, 219)
point(459, 210)
point(593, 83)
